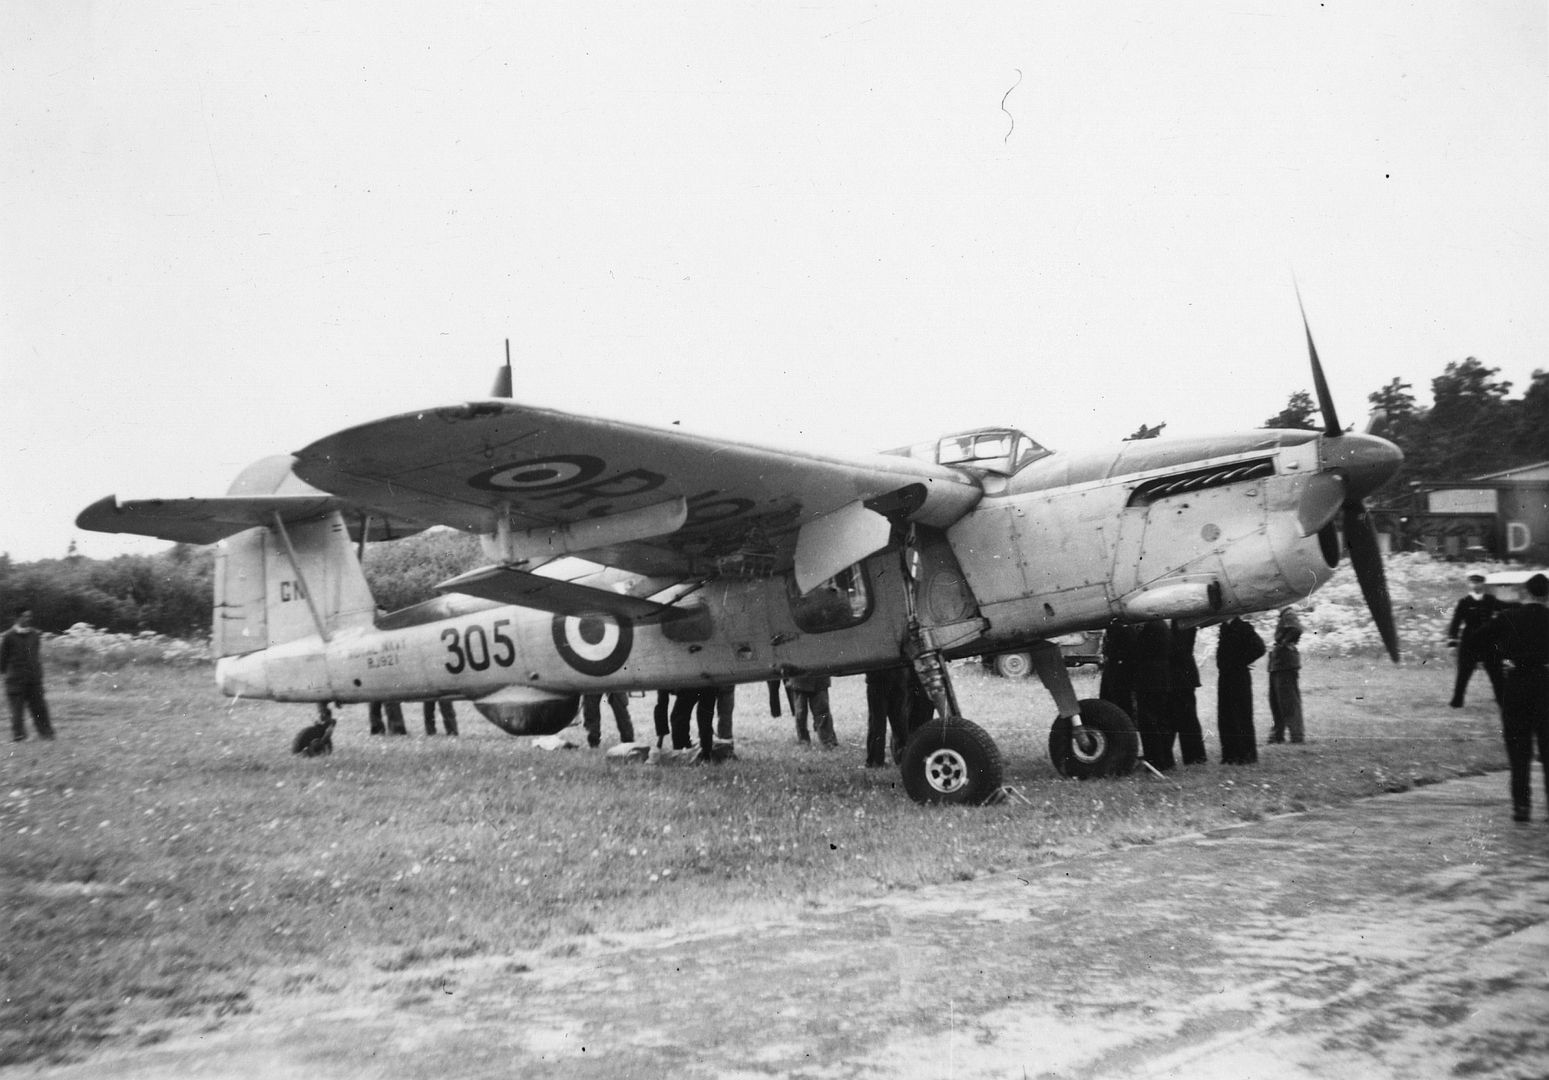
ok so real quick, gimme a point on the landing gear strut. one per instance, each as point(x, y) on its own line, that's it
point(949, 759)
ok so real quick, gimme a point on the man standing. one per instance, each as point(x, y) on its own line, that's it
point(1151, 678)
point(591, 717)
point(1466, 634)
point(1239, 647)
point(1285, 674)
point(448, 716)
point(810, 693)
point(1181, 704)
point(1521, 633)
point(21, 662)
point(887, 708)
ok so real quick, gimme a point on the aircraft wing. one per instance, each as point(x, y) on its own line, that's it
point(201, 521)
point(652, 501)
point(204, 521)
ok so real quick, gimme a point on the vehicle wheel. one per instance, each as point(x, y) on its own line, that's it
point(548, 718)
point(1111, 749)
point(951, 761)
point(1014, 665)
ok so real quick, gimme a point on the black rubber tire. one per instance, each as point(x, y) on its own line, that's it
point(1013, 665)
point(951, 761)
point(1117, 749)
point(549, 718)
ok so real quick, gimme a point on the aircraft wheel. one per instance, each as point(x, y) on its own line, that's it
point(1111, 746)
point(951, 761)
point(1014, 665)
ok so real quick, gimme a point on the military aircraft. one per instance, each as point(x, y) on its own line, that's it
point(626, 557)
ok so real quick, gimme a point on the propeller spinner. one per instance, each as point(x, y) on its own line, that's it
point(1362, 463)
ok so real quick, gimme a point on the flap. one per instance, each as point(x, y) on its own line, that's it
point(828, 544)
point(512, 586)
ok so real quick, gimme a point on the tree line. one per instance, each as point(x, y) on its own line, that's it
point(171, 592)
point(1471, 428)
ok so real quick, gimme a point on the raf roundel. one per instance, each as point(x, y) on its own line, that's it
point(593, 644)
point(540, 474)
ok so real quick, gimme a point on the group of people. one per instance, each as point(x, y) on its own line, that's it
point(1150, 672)
point(1511, 642)
point(895, 702)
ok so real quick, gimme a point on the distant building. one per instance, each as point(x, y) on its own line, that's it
point(1503, 515)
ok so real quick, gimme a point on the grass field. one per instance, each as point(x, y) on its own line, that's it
point(167, 862)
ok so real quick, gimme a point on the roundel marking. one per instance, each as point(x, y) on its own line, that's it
point(539, 474)
point(593, 644)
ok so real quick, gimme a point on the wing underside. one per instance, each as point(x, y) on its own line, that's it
point(657, 502)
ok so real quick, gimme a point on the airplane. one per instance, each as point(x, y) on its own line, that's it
point(627, 557)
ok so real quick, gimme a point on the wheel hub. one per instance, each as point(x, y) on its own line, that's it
point(946, 771)
point(1088, 746)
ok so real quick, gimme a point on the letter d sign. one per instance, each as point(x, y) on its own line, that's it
point(1518, 538)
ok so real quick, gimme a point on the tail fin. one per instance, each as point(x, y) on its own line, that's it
point(283, 582)
point(285, 568)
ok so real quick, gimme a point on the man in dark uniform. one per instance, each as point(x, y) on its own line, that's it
point(887, 708)
point(1240, 647)
point(1115, 685)
point(1469, 618)
point(1151, 677)
point(21, 662)
point(1182, 709)
point(1521, 633)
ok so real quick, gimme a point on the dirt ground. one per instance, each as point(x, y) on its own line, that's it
point(1402, 936)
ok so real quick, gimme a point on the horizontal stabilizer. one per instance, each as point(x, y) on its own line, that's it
point(202, 521)
point(512, 586)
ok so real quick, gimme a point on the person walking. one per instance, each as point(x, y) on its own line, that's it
point(1521, 633)
point(1285, 672)
point(1465, 633)
point(591, 717)
point(1238, 648)
point(448, 716)
point(21, 664)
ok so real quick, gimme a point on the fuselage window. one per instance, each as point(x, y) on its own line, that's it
point(843, 600)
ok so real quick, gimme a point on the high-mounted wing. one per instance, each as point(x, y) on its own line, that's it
point(202, 521)
point(652, 501)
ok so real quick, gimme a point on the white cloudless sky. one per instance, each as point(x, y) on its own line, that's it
point(227, 230)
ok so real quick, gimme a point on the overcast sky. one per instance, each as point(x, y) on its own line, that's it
point(230, 229)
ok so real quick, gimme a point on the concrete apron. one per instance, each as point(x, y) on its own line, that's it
point(1402, 936)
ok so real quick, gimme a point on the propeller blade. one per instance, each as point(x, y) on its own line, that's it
point(1331, 426)
point(1366, 558)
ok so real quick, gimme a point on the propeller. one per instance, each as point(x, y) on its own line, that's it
point(1364, 462)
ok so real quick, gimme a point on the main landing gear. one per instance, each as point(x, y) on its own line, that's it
point(952, 760)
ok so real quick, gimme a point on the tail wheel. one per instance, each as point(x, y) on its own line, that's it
point(1108, 745)
point(951, 761)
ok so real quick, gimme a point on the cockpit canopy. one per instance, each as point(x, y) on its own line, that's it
point(1001, 451)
